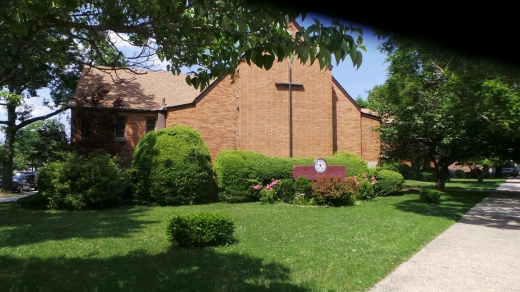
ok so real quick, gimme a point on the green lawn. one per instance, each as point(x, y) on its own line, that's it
point(460, 184)
point(279, 247)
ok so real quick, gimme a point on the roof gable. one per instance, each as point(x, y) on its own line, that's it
point(143, 90)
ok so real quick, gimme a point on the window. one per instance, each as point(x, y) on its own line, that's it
point(120, 128)
point(150, 124)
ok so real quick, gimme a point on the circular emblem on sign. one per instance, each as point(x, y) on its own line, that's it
point(320, 165)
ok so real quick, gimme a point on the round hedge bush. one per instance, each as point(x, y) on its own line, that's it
point(171, 166)
point(81, 182)
point(388, 182)
point(430, 196)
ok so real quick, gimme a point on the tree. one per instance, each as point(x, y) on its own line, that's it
point(46, 44)
point(361, 102)
point(444, 105)
point(40, 143)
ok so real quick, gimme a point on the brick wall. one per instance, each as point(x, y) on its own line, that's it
point(264, 110)
point(135, 129)
point(371, 145)
point(347, 123)
point(214, 116)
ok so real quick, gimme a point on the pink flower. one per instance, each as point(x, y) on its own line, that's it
point(355, 177)
point(357, 183)
point(257, 187)
point(364, 175)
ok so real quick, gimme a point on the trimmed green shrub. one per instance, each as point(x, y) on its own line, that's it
point(366, 190)
point(430, 196)
point(81, 182)
point(303, 186)
point(200, 229)
point(171, 166)
point(235, 179)
point(333, 191)
point(277, 190)
point(355, 165)
point(388, 182)
point(284, 190)
point(237, 172)
point(36, 201)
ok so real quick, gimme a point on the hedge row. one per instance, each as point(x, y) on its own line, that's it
point(238, 171)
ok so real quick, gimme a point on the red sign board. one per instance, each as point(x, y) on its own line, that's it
point(319, 170)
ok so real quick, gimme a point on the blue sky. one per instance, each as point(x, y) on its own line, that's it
point(372, 71)
point(356, 82)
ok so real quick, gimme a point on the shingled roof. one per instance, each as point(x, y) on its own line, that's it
point(138, 90)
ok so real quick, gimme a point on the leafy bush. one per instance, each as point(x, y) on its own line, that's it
point(405, 170)
point(459, 173)
point(366, 188)
point(303, 186)
point(268, 193)
point(355, 165)
point(171, 166)
point(430, 196)
point(423, 175)
point(81, 182)
point(284, 190)
point(277, 190)
point(388, 182)
point(36, 201)
point(334, 191)
point(238, 171)
point(200, 229)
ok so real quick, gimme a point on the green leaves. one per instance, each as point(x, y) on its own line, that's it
point(18, 29)
point(11, 98)
point(445, 106)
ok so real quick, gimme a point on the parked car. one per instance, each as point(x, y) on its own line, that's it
point(31, 178)
point(510, 171)
point(20, 184)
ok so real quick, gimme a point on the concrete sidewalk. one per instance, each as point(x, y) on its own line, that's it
point(14, 198)
point(481, 252)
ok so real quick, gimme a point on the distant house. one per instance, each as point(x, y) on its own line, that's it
point(291, 110)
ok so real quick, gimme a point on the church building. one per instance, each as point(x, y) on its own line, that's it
point(291, 110)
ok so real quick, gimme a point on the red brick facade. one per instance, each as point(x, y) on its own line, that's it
point(253, 114)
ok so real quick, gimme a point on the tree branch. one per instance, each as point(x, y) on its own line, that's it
point(30, 121)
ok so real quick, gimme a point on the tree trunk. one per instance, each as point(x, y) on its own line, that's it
point(7, 157)
point(441, 172)
point(485, 170)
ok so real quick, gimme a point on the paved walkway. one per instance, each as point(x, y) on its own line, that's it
point(15, 197)
point(481, 252)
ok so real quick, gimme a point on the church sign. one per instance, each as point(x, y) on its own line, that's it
point(319, 170)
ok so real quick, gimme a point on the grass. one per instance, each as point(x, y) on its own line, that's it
point(488, 184)
point(279, 247)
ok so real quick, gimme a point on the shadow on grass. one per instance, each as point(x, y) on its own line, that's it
point(453, 205)
point(175, 270)
point(21, 226)
point(473, 185)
